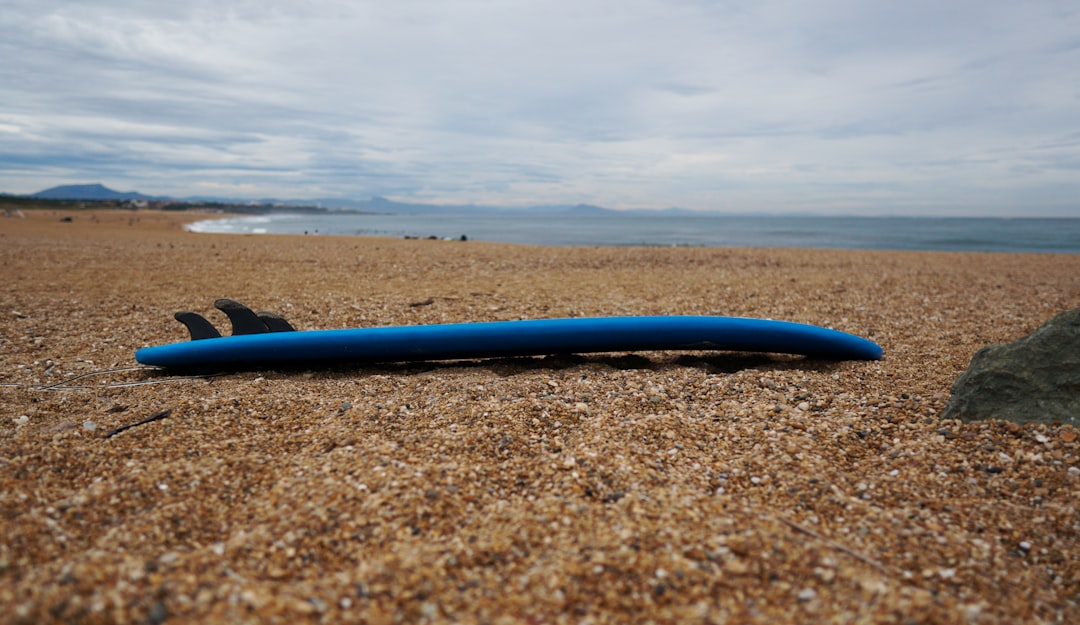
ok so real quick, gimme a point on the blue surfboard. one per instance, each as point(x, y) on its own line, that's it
point(256, 348)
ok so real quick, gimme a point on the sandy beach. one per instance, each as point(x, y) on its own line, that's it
point(663, 487)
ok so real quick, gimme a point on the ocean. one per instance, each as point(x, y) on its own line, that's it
point(1039, 235)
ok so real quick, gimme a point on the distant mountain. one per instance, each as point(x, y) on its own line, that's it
point(375, 204)
point(582, 210)
point(379, 204)
point(87, 192)
point(383, 205)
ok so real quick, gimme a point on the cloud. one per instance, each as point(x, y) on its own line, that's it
point(956, 108)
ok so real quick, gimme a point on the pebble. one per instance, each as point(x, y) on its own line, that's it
point(89, 425)
point(158, 614)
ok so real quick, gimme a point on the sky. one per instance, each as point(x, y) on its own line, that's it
point(921, 107)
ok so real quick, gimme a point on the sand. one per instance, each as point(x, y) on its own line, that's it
point(653, 487)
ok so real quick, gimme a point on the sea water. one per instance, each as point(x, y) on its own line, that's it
point(1041, 235)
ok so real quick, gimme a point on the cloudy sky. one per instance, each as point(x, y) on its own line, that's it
point(949, 107)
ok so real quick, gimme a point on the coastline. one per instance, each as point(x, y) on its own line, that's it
point(696, 487)
point(964, 234)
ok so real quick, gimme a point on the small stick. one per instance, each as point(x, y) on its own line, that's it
point(157, 416)
point(835, 545)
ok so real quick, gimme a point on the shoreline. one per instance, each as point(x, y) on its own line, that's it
point(663, 486)
point(827, 233)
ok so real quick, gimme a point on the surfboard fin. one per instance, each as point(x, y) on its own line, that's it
point(275, 322)
point(197, 325)
point(242, 319)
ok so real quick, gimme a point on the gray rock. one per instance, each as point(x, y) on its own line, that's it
point(1033, 380)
